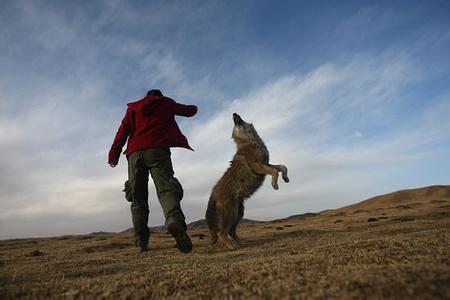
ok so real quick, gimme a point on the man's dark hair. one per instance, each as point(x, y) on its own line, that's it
point(154, 93)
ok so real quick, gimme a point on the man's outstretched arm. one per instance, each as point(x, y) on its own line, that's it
point(120, 140)
point(182, 109)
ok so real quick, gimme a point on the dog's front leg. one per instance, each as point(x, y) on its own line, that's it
point(260, 168)
point(284, 171)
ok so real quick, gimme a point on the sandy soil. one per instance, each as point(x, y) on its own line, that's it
point(393, 246)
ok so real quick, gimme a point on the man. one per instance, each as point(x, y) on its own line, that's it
point(150, 127)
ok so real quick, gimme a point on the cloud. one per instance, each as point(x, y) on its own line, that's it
point(307, 120)
point(309, 124)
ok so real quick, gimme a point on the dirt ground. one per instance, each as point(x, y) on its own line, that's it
point(398, 248)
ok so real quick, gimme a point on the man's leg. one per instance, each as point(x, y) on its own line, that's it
point(138, 181)
point(170, 193)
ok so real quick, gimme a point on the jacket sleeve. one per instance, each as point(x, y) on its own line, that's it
point(182, 109)
point(121, 137)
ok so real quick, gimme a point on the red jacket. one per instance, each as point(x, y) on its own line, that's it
point(150, 123)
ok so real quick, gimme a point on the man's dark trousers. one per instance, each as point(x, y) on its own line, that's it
point(157, 161)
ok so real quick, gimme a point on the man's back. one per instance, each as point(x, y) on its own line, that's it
point(150, 123)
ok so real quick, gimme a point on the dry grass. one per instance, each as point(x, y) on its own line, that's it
point(403, 252)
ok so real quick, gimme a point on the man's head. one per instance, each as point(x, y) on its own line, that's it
point(154, 93)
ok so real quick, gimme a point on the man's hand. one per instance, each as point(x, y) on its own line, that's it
point(113, 163)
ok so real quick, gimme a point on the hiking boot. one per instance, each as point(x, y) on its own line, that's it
point(141, 243)
point(143, 246)
point(183, 240)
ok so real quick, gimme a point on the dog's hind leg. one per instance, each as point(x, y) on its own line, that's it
point(211, 220)
point(233, 228)
point(283, 170)
point(229, 211)
point(213, 236)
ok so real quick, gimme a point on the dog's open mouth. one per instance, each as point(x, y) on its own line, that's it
point(237, 119)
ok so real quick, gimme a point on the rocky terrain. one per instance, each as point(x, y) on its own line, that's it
point(390, 246)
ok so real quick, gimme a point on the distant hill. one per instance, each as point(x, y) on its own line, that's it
point(410, 197)
point(397, 199)
point(296, 217)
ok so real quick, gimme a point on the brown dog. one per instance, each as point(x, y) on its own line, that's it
point(246, 173)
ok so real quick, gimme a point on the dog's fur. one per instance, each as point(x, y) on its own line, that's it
point(246, 173)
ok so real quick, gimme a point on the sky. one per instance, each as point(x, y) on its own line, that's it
point(352, 96)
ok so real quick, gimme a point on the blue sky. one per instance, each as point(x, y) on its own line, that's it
point(353, 96)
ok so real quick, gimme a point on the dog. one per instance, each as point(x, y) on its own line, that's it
point(244, 176)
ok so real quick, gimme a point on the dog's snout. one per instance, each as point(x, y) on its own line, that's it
point(236, 118)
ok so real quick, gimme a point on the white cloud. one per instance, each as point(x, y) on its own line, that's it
point(10, 134)
point(307, 121)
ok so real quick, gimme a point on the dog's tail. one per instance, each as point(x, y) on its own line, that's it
point(211, 215)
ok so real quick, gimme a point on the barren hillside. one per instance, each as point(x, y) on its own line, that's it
point(390, 246)
point(413, 198)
